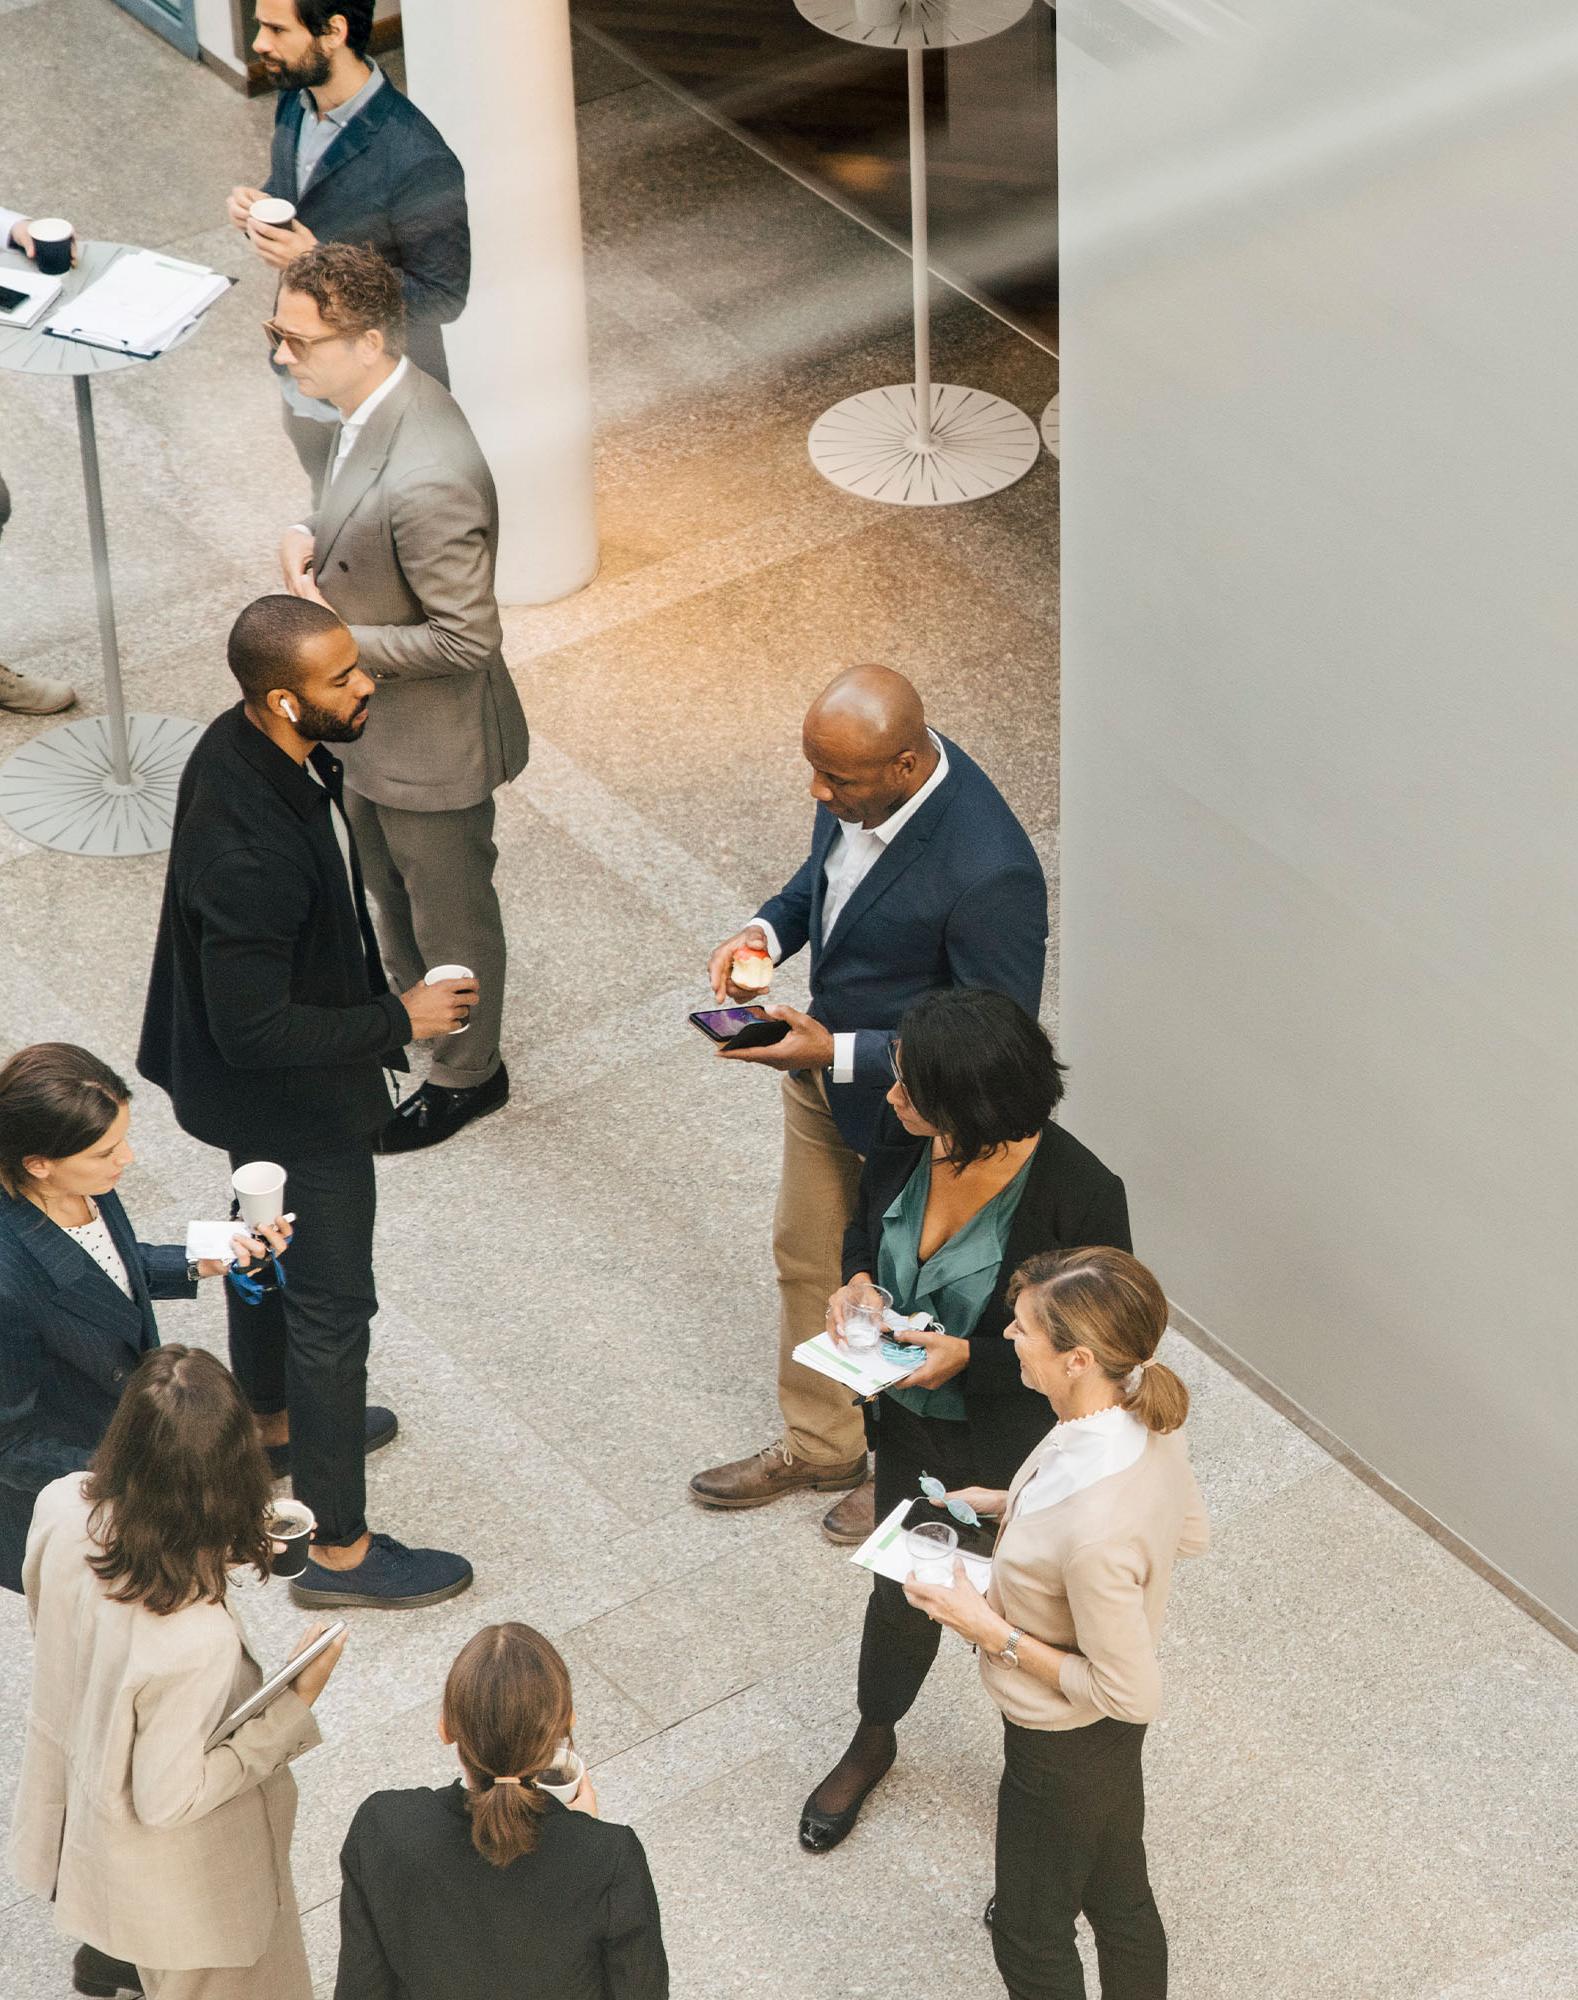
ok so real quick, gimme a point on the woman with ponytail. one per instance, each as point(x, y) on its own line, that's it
point(492, 1885)
point(1067, 1629)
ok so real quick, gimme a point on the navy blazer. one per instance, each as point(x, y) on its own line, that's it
point(388, 181)
point(958, 899)
point(69, 1337)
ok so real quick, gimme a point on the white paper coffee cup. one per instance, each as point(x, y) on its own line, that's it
point(273, 209)
point(260, 1190)
point(570, 1761)
point(450, 972)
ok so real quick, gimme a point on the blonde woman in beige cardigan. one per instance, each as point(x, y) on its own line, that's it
point(1067, 1629)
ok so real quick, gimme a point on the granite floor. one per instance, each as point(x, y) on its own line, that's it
point(1362, 1785)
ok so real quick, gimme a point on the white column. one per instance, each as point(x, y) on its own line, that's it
point(499, 89)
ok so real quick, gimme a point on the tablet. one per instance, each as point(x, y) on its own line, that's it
point(276, 1685)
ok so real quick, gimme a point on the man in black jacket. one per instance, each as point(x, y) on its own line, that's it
point(270, 1023)
point(361, 165)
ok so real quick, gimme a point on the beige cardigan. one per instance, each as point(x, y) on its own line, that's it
point(151, 1848)
point(1090, 1575)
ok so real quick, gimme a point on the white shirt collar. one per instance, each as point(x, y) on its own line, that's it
point(365, 408)
point(896, 821)
point(1093, 1433)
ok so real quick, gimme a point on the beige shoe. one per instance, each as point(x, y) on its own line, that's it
point(854, 1519)
point(753, 1481)
point(24, 694)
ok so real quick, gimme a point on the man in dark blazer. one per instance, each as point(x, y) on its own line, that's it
point(270, 1023)
point(919, 877)
point(360, 164)
point(402, 545)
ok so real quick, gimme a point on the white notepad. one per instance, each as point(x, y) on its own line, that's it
point(141, 305)
point(39, 293)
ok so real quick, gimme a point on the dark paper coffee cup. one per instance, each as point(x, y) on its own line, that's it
point(52, 238)
point(290, 1527)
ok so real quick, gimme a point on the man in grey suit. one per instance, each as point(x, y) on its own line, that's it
point(402, 546)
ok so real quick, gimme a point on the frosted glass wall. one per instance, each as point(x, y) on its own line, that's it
point(1320, 729)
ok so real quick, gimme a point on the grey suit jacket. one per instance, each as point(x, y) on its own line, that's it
point(405, 539)
point(150, 1847)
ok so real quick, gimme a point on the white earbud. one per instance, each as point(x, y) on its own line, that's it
point(290, 708)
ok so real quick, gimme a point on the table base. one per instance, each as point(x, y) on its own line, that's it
point(979, 444)
point(60, 791)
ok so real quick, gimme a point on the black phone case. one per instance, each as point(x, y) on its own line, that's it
point(758, 1035)
point(972, 1541)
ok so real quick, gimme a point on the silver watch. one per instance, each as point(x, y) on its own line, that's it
point(1009, 1654)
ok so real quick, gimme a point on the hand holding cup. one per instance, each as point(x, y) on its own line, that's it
point(441, 1003)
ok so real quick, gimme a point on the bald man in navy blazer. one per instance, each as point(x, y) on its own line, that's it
point(919, 877)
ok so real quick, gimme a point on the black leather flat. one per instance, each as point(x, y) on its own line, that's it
point(820, 1831)
point(95, 1973)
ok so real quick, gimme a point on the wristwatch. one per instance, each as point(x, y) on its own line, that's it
point(193, 1275)
point(1008, 1656)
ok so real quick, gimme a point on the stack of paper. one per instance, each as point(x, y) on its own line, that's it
point(866, 1371)
point(141, 305)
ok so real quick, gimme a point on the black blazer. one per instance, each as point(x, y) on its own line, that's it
point(424, 1917)
point(1070, 1200)
point(269, 1020)
point(388, 181)
point(69, 1337)
point(959, 899)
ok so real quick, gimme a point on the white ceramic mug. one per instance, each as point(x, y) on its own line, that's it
point(260, 1190)
point(440, 972)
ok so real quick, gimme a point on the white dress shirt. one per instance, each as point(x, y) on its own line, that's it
point(1083, 1450)
point(854, 853)
point(351, 426)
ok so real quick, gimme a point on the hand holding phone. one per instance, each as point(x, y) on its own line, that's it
point(739, 1027)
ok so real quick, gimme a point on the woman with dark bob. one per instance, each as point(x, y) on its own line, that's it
point(76, 1287)
point(1066, 1634)
point(968, 1176)
point(164, 1854)
point(492, 1885)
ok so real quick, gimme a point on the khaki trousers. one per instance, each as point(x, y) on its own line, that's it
point(816, 1199)
point(280, 1974)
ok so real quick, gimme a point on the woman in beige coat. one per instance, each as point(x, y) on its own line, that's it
point(1067, 1629)
point(152, 1848)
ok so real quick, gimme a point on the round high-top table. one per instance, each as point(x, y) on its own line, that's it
point(920, 443)
point(103, 784)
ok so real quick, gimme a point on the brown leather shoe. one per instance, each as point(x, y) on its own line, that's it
point(852, 1520)
point(768, 1473)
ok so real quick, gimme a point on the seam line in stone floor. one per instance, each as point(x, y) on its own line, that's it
point(821, 189)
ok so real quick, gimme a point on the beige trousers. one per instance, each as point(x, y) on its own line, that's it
point(816, 1199)
point(280, 1974)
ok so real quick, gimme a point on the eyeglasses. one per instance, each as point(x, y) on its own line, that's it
point(893, 1064)
point(961, 1510)
point(298, 343)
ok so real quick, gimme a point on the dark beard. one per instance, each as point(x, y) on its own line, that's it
point(319, 726)
point(306, 75)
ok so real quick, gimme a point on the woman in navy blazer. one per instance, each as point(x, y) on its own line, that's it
point(76, 1287)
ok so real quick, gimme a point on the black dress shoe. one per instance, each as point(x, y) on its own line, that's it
point(435, 1113)
point(95, 1972)
point(381, 1429)
point(820, 1831)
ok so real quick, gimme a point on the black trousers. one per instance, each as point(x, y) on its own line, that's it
point(304, 1349)
point(899, 1643)
point(1071, 1837)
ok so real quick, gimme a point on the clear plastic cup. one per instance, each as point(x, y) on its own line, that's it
point(864, 1324)
point(932, 1546)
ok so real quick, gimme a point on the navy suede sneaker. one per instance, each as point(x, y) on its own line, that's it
point(382, 1427)
point(390, 1577)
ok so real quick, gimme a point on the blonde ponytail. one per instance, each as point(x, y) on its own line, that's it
point(1107, 1301)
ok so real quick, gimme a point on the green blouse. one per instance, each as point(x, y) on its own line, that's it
point(954, 1283)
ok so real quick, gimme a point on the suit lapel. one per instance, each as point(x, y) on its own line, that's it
point(83, 1287)
point(894, 860)
point(286, 135)
point(363, 465)
point(352, 139)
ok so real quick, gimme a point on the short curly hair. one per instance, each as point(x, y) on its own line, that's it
point(354, 289)
point(315, 16)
